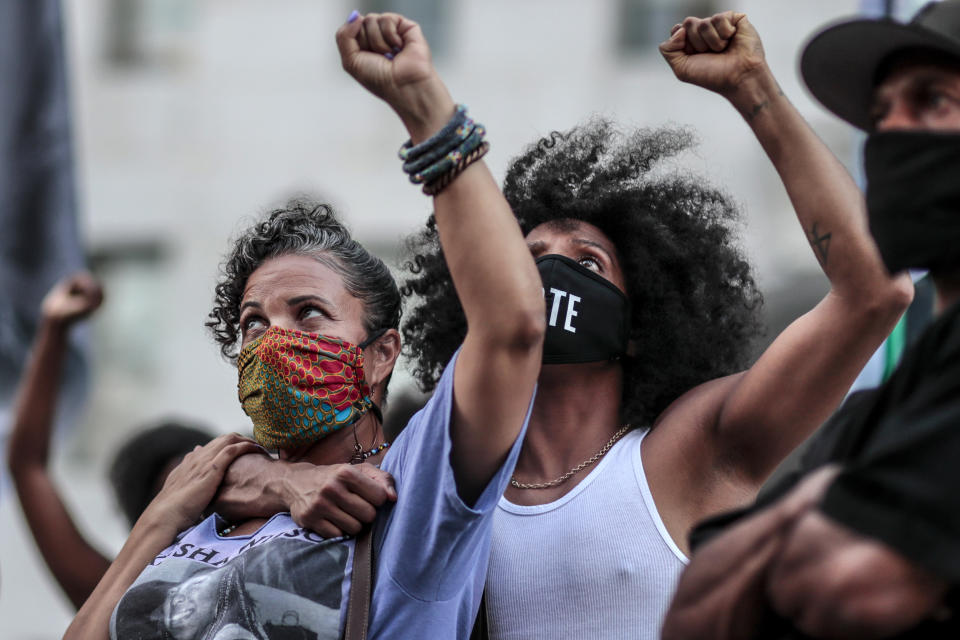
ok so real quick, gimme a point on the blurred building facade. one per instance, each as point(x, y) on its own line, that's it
point(193, 116)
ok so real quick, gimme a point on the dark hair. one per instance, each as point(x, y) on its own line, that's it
point(694, 300)
point(303, 228)
point(138, 463)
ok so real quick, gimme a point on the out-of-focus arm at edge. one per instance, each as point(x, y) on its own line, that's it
point(830, 581)
point(721, 594)
point(74, 563)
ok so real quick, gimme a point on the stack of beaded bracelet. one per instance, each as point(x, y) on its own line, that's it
point(436, 162)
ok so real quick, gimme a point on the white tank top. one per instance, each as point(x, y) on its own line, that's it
point(597, 563)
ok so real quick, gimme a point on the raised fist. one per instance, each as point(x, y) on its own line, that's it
point(716, 53)
point(386, 53)
point(71, 299)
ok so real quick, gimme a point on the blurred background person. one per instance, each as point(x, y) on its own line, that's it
point(141, 465)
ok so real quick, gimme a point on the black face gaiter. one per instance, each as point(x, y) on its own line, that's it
point(587, 316)
point(913, 198)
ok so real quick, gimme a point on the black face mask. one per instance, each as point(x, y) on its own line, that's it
point(913, 198)
point(587, 316)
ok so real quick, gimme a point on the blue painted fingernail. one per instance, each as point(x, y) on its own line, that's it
point(388, 56)
point(353, 16)
point(396, 50)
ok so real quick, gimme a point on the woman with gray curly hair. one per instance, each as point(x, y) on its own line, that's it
point(311, 319)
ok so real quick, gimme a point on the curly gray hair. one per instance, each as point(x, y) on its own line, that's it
point(302, 228)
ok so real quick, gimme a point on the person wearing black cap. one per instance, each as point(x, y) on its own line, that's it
point(863, 541)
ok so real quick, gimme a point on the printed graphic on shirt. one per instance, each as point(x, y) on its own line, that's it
point(281, 585)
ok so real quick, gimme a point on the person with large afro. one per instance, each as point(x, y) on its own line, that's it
point(649, 416)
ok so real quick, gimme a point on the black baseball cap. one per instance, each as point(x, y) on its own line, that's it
point(840, 64)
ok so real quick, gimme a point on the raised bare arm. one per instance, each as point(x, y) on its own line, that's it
point(762, 414)
point(75, 564)
point(489, 261)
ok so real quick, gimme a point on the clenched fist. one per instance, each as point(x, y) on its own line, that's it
point(72, 299)
point(387, 54)
point(717, 53)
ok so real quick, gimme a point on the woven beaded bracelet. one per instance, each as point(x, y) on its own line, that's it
point(410, 152)
point(450, 160)
point(444, 181)
point(442, 148)
point(437, 161)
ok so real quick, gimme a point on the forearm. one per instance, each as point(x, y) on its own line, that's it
point(831, 582)
point(487, 256)
point(501, 294)
point(828, 204)
point(74, 563)
point(252, 488)
point(35, 404)
point(721, 594)
point(812, 363)
point(491, 268)
point(147, 539)
point(490, 264)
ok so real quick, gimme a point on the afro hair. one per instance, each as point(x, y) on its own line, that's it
point(694, 301)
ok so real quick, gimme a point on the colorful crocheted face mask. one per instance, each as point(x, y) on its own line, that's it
point(297, 387)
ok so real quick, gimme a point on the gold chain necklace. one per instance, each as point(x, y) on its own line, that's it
point(577, 469)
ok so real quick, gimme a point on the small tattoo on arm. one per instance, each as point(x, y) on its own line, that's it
point(757, 108)
point(820, 243)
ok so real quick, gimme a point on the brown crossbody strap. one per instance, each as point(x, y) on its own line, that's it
point(481, 628)
point(361, 587)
